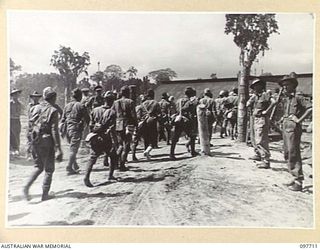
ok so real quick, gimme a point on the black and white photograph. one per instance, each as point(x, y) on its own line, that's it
point(160, 119)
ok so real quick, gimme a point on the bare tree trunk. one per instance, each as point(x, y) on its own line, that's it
point(203, 130)
point(243, 88)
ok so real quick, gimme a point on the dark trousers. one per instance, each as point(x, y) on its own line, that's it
point(74, 138)
point(44, 160)
point(150, 133)
point(124, 140)
point(15, 130)
point(100, 146)
point(291, 144)
point(190, 128)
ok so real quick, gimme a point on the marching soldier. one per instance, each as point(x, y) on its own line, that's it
point(105, 141)
point(220, 102)
point(211, 111)
point(149, 132)
point(126, 120)
point(76, 116)
point(35, 97)
point(164, 121)
point(97, 100)
point(295, 111)
point(48, 142)
point(261, 103)
point(15, 124)
point(185, 120)
point(172, 107)
point(85, 100)
point(141, 114)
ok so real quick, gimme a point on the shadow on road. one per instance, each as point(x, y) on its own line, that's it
point(83, 195)
point(149, 178)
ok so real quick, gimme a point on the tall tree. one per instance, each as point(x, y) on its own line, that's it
point(162, 75)
point(251, 33)
point(70, 65)
point(13, 69)
point(98, 77)
point(114, 74)
point(132, 72)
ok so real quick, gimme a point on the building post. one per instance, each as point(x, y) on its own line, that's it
point(203, 130)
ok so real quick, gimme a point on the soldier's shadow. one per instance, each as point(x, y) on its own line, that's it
point(149, 178)
point(220, 154)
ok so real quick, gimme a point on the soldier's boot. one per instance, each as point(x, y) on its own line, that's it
point(86, 178)
point(72, 160)
point(168, 137)
point(146, 153)
point(193, 150)
point(297, 186)
point(33, 177)
point(256, 157)
point(172, 149)
point(113, 166)
point(45, 194)
point(46, 186)
point(134, 149)
point(264, 164)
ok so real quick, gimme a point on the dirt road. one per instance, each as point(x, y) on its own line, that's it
point(225, 189)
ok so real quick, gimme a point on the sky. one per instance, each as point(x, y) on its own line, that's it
point(193, 44)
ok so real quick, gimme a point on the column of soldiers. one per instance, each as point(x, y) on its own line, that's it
point(113, 125)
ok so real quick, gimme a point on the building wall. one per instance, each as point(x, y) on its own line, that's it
point(176, 88)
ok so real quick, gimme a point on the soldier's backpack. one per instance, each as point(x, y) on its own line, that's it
point(39, 126)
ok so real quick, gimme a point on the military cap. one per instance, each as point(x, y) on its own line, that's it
point(76, 92)
point(98, 88)
point(256, 82)
point(165, 95)
point(125, 91)
point(171, 98)
point(85, 89)
point(207, 90)
point(35, 94)
point(289, 79)
point(189, 91)
point(108, 94)
point(150, 93)
point(222, 93)
point(15, 91)
point(48, 92)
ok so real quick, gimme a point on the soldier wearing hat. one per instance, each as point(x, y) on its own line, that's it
point(141, 116)
point(295, 111)
point(185, 120)
point(126, 120)
point(149, 131)
point(164, 121)
point(85, 100)
point(96, 100)
point(102, 124)
point(220, 102)
point(15, 124)
point(34, 97)
point(47, 143)
point(75, 115)
point(261, 104)
point(211, 109)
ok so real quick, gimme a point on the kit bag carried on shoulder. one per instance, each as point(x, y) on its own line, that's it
point(39, 126)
